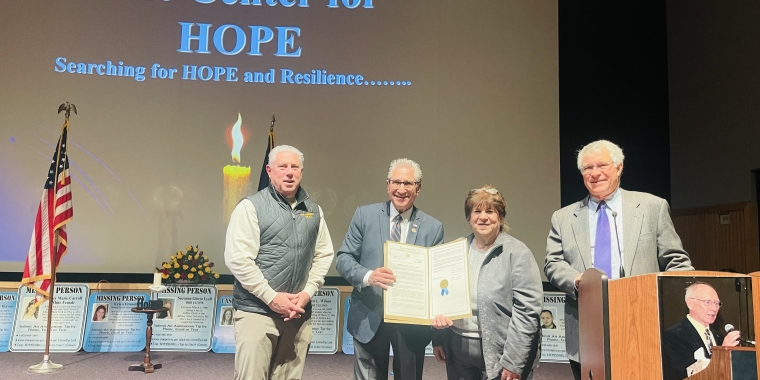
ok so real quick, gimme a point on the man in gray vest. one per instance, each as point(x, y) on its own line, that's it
point(279, 250)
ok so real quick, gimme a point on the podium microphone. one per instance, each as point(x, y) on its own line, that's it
point(617, 239)
point(729, 328)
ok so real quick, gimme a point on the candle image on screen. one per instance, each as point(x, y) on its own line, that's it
point(236, 177)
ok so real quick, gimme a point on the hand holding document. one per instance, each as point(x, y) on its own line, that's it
point(429, 282)
point(381, 277)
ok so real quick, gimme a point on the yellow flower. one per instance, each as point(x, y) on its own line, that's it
point(190, 275)
point(208, 270)
point(200, 267)
point(176, 265)
point(205, 264)
point(164, 276)
point(190, 257)
point(172, 257)
point(189, 247)
point(195, 249)
point(216, 275)
point(166, 266)
point(179, 252)
point(185, 267)
point(176, 275)
point(192, 269)
point(179, 255)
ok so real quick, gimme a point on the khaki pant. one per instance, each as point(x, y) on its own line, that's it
point(266, 347)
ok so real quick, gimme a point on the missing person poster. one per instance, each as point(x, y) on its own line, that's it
point(7, 310)
point(224, 331)
point(553, 328)
point(325, 312)
point(111, 324)
point(347, 343)
point(324, 323)
point(30, 326)
point(188, 323)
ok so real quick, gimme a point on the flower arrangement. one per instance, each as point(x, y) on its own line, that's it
point(190, 266)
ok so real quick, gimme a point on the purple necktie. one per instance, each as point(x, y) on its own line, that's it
point(603, 244)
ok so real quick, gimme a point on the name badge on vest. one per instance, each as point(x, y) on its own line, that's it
point(307, 214)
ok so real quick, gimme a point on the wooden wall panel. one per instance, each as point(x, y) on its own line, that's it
point(715, 246)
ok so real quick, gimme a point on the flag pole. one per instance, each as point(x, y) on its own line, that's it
point(272, 138)
point(271, 143)
point(47, 366)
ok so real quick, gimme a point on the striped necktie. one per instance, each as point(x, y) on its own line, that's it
point(709, 341)
point(396, 230)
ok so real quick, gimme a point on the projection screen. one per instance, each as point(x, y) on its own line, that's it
point(467, 89)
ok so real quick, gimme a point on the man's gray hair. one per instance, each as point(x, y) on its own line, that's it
point(597, 147)
point(284, 148)
point(690, 289)
point(406, 162)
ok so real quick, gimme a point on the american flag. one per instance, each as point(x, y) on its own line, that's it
point(54, 212)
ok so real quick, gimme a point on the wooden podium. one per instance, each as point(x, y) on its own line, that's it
point(620, 325)
point(727, 363)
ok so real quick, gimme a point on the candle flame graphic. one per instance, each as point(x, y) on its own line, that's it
point(237, 140)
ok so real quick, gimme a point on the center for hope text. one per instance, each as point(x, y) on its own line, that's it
point(259, 34)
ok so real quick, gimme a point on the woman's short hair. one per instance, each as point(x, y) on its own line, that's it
point(489, 197)
point(616, 154)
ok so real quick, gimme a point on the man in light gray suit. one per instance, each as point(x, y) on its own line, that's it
point(360, 261)
point(622, 233)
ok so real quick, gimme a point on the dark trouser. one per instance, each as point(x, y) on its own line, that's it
point(464, 357)
point(408, 342)
point(576, 367)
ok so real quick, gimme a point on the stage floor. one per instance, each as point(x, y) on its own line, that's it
point(178, 365)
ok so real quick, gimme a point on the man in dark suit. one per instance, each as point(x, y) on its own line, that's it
point(693, 333)
point(622, 233)
point(360, 261)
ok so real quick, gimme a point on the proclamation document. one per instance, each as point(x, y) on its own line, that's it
point(449, 280)
point(408, 298)
point(429, 282)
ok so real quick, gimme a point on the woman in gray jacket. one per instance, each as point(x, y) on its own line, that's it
point(502, 338)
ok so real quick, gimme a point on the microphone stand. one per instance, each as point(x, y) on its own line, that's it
point(617, 240)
